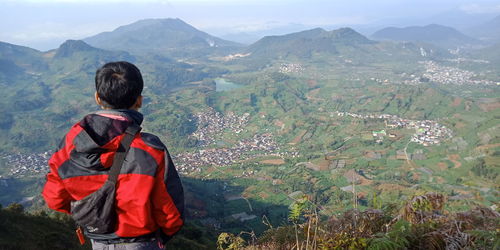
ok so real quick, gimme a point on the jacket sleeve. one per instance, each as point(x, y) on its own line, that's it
point(168, 199)
point(54, 192)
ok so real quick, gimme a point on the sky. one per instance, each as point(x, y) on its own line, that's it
point(44, 24)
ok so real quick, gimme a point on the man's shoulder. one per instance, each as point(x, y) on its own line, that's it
point(153, 141)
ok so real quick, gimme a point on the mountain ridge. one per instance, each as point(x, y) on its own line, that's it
point(436, 34)
point(153, 35)
point(304, 43)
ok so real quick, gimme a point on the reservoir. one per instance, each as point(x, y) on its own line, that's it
point(222, 85)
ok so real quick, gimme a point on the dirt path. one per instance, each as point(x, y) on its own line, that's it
point(454, 158)
point(311, 95)
point(298, 138)
point(488, 146)
point(273, 161)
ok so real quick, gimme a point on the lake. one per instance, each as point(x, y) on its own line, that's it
point(222, 85)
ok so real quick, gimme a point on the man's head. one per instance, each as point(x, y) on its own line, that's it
point(119, 86)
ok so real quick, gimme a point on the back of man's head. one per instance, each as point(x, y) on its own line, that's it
point(118, 84)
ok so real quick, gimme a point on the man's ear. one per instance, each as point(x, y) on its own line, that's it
point(138, 103)
point(97, 99)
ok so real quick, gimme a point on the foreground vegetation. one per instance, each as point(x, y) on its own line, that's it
point(422, 223)
point(20, 229)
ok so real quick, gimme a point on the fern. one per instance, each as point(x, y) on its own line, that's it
point(421, 225)
point(486, 239)
point(296, 210)
point(228, 241)
point(383, 244)
point(400, 233)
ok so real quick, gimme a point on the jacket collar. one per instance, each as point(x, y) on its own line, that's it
point(128, 114)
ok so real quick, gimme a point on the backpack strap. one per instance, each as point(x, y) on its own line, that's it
point(122, 151)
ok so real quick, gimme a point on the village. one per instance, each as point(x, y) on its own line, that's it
point(291, 68)
point(211, 125)
point(446, 75)
point(258, 145)
point(22, 165)
point(427, 132)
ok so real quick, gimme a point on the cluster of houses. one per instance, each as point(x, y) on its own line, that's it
point(21, 165)
point(378, 80)
point(259, 144)
point(291, 68)
point(427, 132)
point(211, 124)
point(449, 75)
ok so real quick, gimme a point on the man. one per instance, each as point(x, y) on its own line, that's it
point(149, 195)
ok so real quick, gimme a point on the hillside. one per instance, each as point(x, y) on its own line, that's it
point(56, 231)
point(19, 230)
point(18, 62)
point(168, 36)
point(55, 87)
point(439, 35)
point(19, 54)
point(305, 43)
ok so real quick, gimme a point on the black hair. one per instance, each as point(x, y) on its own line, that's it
point(118, 84)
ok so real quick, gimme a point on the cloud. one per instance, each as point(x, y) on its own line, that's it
point(167, 2)
point(47, 31)
point(83, 2)
point(480, 9)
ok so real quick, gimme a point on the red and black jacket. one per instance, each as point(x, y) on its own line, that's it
point(149, 193)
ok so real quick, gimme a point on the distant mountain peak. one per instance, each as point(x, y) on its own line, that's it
point(349, 35)
point(345, 30)
point(158, 35)
point(71, 46)
point(159, 23)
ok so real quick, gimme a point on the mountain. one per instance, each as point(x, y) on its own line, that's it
point(438, 35)
point(20, 57)
point(157, 35)
point(57, 86)
point(70, 47)
point(78, 56)
point(305, 43)
point(488, 31)
point(19, 64)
